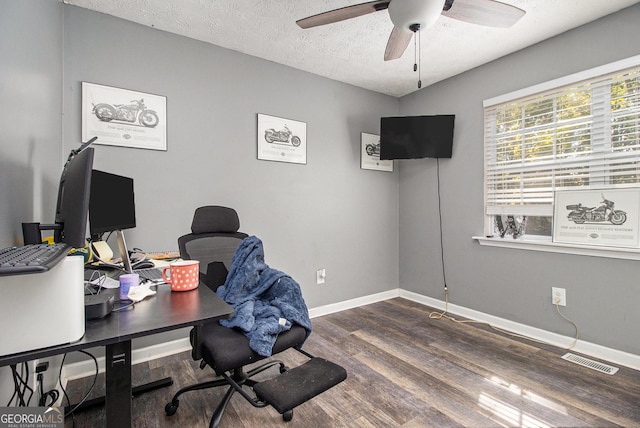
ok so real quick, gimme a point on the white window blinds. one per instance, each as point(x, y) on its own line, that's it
point(581, 133)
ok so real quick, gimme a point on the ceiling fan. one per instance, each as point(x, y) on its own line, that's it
point(411, 16)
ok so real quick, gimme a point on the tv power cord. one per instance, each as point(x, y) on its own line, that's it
point(444, 315)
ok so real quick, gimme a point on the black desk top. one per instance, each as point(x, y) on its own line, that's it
point(164, 311)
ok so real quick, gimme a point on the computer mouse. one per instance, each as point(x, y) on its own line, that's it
point(143, 264)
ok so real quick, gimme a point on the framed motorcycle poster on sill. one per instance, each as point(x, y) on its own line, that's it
point(608, 217)
point(282, 140)
point(122, 117)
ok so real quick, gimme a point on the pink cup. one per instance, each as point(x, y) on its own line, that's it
point(182, 275)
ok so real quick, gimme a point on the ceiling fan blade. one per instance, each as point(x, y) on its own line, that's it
point(491, 13)
point(397, 44)
point(343, 13)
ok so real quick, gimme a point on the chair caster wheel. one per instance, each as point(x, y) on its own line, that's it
point(171, 408)
point(287, 416)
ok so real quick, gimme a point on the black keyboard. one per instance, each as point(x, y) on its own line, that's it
point(34, 258)
point(150, 274)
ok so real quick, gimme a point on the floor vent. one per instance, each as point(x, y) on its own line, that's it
point(602, 368)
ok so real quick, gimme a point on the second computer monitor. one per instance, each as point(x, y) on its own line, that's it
point(112, 203)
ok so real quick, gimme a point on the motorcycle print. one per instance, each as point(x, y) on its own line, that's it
point(373, 149)
point(136, 111)
point(580, 214)
point(284, 136)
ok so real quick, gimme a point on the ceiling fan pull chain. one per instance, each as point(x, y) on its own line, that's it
point(419, 59)
point(415, 52)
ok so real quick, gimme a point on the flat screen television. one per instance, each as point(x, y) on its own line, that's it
point(416, 137)
point(112, 203)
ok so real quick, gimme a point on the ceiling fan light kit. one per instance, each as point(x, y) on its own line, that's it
point(406, 13)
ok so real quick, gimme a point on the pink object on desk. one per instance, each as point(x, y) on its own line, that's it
point(182, 275)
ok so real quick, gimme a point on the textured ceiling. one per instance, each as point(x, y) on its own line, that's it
point(352, 51)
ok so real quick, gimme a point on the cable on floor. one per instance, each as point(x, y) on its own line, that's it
point(444, 315)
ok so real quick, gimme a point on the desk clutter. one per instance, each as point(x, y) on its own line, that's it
point(132, 289)
point(102, 256)
point(181, 275)
point(164, 255)
point(101, 292)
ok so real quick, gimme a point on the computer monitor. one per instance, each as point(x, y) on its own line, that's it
point(73, 199)
point(112, 203)
point(72, 204)
point(112, 209)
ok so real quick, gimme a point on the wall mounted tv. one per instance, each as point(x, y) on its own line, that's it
point(415, 137)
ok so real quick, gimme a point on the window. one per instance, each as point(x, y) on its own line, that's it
point(579, 131)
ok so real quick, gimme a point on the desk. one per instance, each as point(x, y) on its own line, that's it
point(163, 312)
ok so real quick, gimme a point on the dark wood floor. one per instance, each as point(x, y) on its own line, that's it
point(406, 370)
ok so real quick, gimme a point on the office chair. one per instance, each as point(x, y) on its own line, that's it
point(213, 241)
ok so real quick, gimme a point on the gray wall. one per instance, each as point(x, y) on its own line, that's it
point(31, 105)
point(602, 294)
point(326, 214)
point(31, 123)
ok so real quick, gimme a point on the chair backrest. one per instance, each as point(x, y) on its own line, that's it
point(213, 241)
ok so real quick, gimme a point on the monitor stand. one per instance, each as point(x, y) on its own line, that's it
point(124, 253)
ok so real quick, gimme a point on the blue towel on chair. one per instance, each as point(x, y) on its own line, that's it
point(265, 301)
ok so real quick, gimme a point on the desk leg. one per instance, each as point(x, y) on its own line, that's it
point(118, 385)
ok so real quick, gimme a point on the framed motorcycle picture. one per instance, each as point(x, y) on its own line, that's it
point(282, 140)
point(608, 217)
point(122, 117)
point(370, 154)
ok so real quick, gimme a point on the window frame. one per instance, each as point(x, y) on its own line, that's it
point(556, 85)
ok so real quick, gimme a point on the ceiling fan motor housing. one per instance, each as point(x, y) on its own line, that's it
point(405, 13)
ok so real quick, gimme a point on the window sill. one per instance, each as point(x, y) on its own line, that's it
point(541, 244)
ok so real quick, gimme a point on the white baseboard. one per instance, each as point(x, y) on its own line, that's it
point(353, 303)
point(87, 367)
point(594, 350)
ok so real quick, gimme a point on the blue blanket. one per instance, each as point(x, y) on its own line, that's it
point(265, 301)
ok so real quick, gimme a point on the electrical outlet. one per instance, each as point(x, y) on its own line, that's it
point(559, 296)
point(320, 276)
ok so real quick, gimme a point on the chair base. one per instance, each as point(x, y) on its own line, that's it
point(235, 383)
